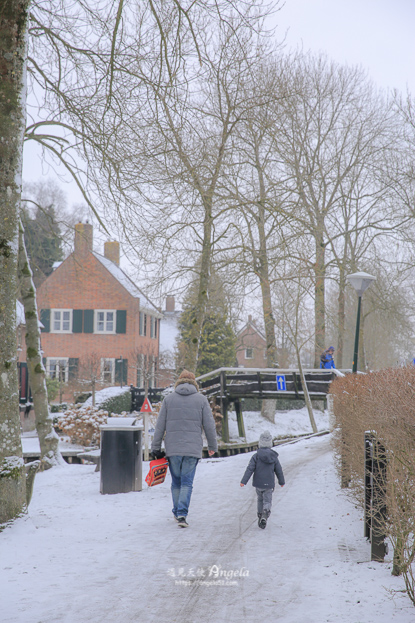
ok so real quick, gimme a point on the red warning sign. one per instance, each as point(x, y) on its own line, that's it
point(147, 408)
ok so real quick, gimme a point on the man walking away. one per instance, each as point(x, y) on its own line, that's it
point(183, 416)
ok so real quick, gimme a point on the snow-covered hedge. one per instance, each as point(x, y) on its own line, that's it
point(112, 399)
point(117, 404)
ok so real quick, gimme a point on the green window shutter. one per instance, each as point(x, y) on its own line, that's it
point(88, 320)
point(121, 324)
point(141, 329)
point(73, 367)
point(77, 320)
point(138, 378)
point(45, 320)
point(121, 368)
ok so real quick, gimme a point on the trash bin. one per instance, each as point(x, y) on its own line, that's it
point(121, 456)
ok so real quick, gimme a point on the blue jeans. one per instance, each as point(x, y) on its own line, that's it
point(182, 470)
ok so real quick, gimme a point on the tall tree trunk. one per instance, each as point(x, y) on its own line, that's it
point(13, 27)
point(268, 406)
point(319, 301)
point(48, 439)
point(203, 290)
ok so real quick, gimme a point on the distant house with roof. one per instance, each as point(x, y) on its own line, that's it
point(251, 346)
point(95, 318)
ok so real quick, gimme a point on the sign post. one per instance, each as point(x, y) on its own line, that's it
point(146, 409)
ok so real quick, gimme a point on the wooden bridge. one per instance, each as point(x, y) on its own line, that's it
point(231, 385)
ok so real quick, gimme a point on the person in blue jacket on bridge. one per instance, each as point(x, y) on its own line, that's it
point(326, 359)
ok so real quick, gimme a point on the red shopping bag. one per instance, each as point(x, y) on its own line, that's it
point(157, 472)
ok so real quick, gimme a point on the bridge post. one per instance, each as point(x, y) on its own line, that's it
point(224, 407)
point(240, 418)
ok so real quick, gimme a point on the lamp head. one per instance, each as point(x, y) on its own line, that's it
point(360, 281)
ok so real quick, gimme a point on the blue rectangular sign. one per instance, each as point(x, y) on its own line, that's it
point(281, 386)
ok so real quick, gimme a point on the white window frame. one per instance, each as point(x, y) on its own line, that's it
point(61, 320)
point(61, 360)
point(246, 352)
point(105, 312)
point(103, 361)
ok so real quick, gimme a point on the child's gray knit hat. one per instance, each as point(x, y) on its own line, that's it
point(265, 440)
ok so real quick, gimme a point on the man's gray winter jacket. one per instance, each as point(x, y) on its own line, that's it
point(183, 415)
point(263, 465)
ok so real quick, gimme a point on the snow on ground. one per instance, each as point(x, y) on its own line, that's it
point(294, 422)
point(82, 557)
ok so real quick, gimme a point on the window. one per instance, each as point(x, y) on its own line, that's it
point(153, 327)
point(61, 321)
point(249, 353)
point(104, 321)
point(58, 368)
point(108, 371)
point(265, 353)
point(143, 323)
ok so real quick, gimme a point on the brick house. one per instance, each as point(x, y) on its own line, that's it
point(96, 321)
point(251, 346)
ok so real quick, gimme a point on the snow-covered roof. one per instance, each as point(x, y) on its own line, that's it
point(169, 330)
point(128, 284)
point(251, 325)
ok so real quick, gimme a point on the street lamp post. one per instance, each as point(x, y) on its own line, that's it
point(360, 282)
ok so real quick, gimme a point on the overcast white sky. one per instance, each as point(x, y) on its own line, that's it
point(376, 34)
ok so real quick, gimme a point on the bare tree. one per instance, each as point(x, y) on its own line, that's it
point(48, 439)
point(90, 373)
point(177, 148)
point(331, 129)
point(13, 37)
point(296, 290)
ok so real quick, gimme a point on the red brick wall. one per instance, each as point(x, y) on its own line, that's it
point(250, 338)
point(84, 283)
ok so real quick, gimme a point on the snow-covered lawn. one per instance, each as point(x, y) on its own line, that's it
point(82, 557)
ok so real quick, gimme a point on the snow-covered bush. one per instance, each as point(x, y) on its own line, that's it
point(81, 424)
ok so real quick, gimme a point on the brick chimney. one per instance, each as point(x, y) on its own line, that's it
point(170, 303)
point(112, 251)
point(83, 238)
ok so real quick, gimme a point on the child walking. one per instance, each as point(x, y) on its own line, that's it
point(264, 465)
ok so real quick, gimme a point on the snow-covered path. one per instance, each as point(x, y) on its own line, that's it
point(81, 557)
